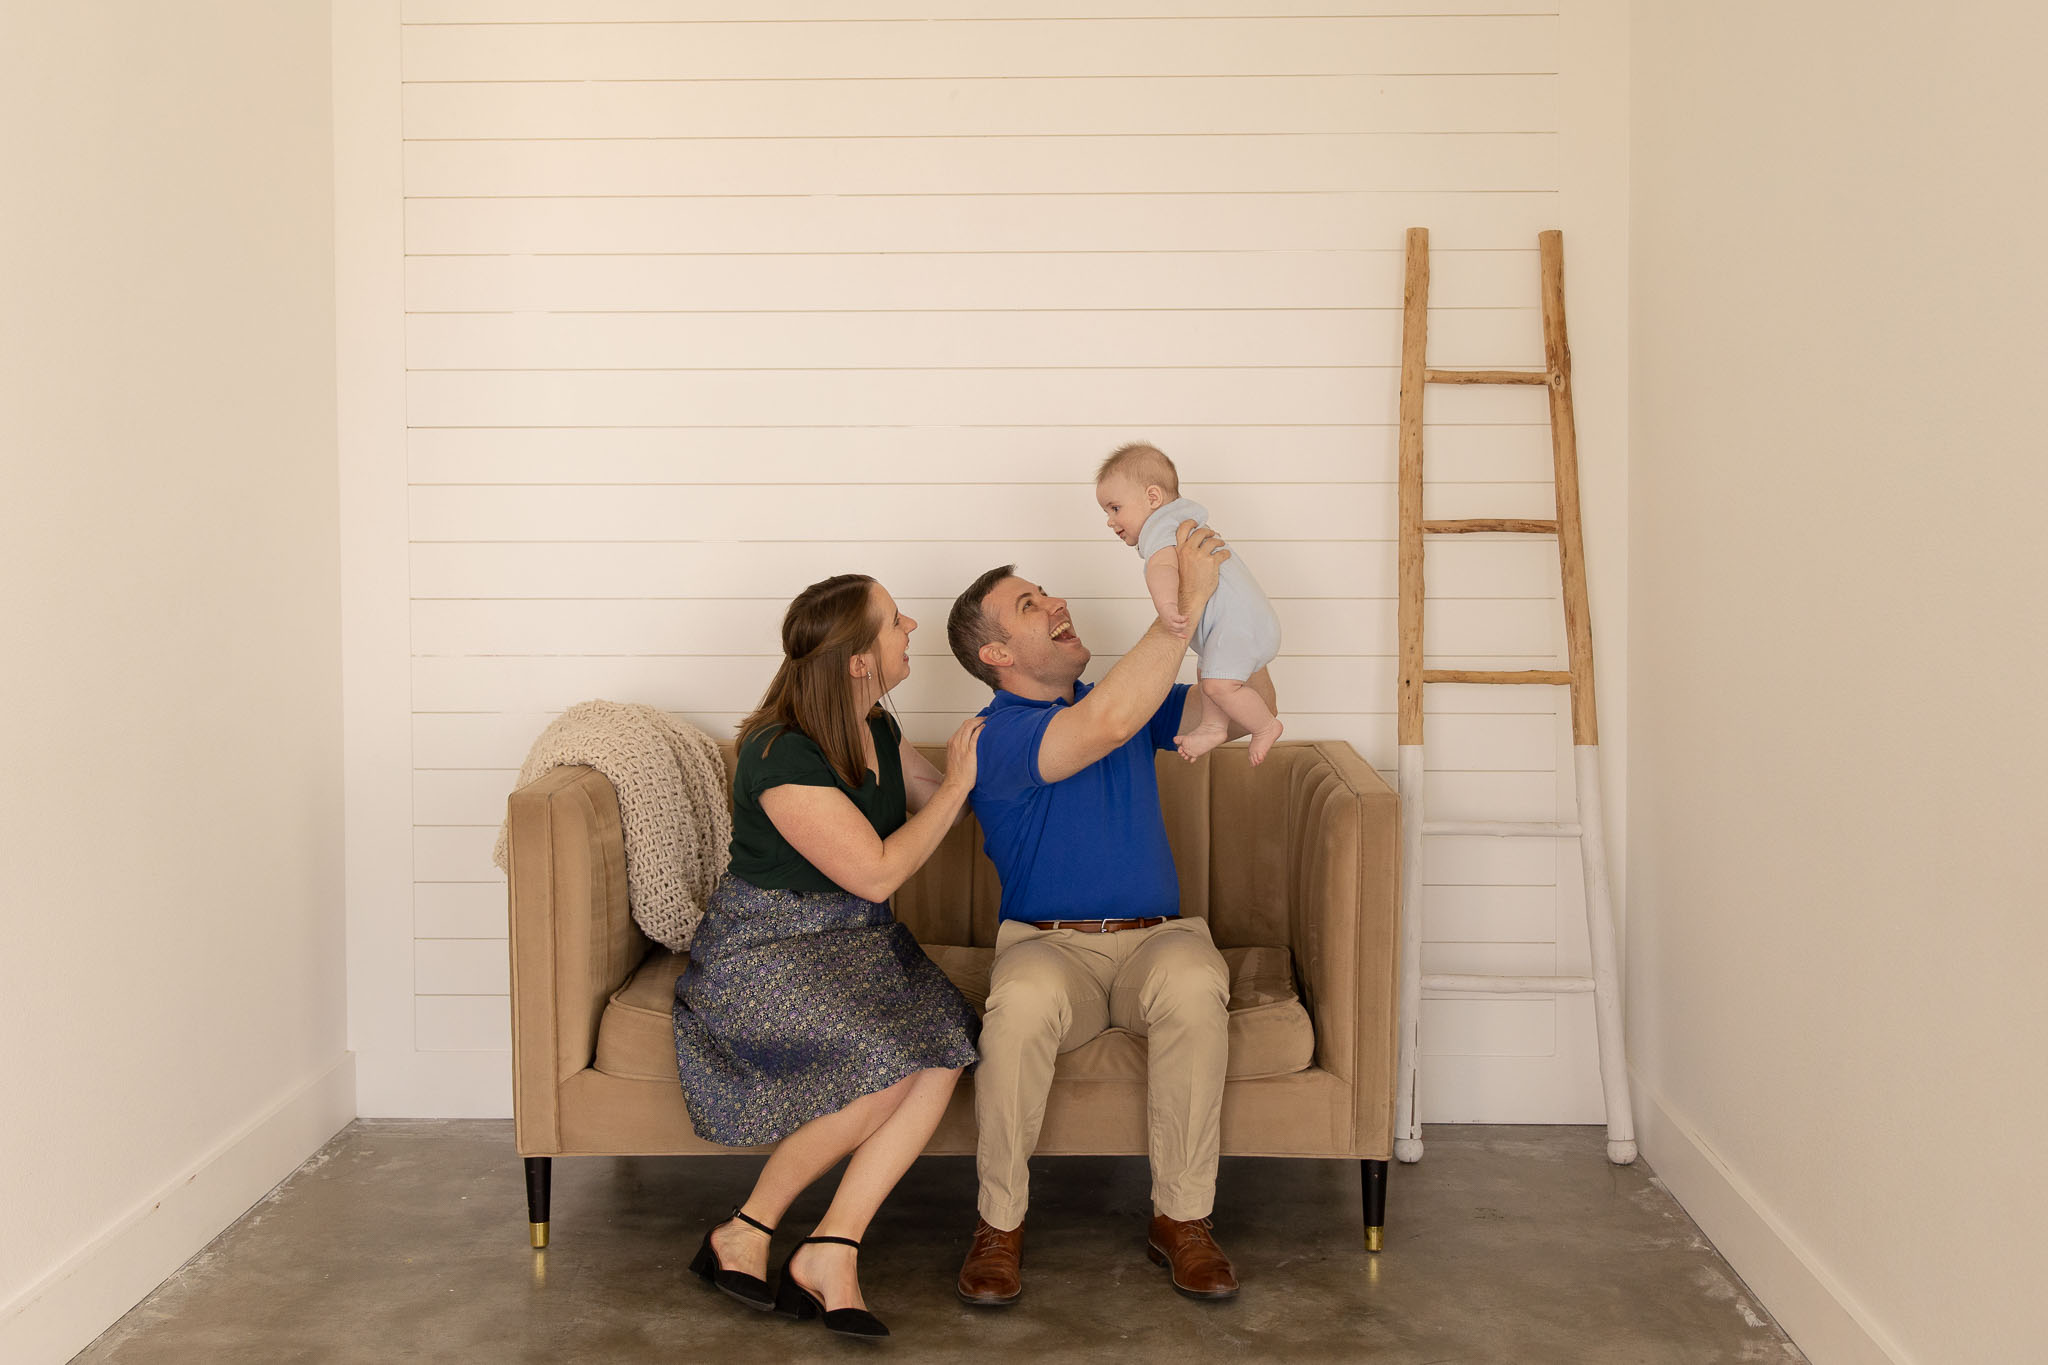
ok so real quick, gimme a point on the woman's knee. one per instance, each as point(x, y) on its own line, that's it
point(942, 1078)
point(877, 1105)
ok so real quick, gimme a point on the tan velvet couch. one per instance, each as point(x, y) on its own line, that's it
point(1295, 864)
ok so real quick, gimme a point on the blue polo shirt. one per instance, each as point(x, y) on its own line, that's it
point(1091, 847)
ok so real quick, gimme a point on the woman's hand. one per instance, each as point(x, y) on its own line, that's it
point(961, 754)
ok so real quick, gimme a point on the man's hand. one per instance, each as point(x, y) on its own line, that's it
point(1200, 553)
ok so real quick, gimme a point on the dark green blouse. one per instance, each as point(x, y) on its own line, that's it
point(776, 757)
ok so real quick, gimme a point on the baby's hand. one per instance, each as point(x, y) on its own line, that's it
point(1175, 622)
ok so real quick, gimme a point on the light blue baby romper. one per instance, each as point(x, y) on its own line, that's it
point(1238, 634)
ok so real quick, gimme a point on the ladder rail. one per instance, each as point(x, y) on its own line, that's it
point(1414, 377)
point(1513, 525)
point(1507, 829)
point(1564, 451)
point(1488, 377)
point(1469, 983)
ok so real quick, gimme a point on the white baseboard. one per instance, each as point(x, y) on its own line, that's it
point(434, 1085)
point(59, 1314)
point(1820, 1315)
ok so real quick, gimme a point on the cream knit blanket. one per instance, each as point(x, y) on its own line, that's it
point(672, 802)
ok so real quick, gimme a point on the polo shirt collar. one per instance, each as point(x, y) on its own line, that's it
point(1004, 698)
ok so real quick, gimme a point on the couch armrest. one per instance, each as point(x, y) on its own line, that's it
point(1344, 898)
point(573, 940)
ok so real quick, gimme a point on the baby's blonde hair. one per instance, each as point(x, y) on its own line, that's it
point(1144, 465)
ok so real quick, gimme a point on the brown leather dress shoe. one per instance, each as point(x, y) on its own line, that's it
point(990, 1275)
point(1199, 1268)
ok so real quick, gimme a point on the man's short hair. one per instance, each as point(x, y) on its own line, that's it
point(1143, 465)
point(969, 626)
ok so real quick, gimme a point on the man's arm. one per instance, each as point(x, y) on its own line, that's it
point(1259, 682)
point(1129, 695)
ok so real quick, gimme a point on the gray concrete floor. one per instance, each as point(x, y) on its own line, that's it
point(405, 1241)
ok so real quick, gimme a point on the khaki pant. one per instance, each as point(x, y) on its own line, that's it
point(1053, 990)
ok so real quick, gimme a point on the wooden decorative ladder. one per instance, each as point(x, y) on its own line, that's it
point(1586, 826)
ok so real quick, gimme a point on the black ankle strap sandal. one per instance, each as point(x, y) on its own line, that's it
point(750, 1290)
point(794, 1300)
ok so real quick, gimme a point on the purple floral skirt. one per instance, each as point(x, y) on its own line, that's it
point(797, 1003)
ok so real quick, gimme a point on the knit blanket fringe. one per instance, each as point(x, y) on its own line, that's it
point(672, 803)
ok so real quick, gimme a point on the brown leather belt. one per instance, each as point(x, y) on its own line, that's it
point(1100, 926)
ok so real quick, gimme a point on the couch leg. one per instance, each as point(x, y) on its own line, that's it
point(537, 1171)
point(1372, 1182)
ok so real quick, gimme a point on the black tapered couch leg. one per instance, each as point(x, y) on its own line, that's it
point(1372, 1181)
point(538, 1168)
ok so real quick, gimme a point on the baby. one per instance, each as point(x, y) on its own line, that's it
point(1139, 490)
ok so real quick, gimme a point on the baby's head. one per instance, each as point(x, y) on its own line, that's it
point(1133, 483)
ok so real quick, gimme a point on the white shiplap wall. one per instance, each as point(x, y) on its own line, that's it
point(704, 301)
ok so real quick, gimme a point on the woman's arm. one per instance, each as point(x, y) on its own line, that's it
point(829, 830)
point(921, 780)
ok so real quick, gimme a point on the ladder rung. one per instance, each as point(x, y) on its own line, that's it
point(1510, 985)
point(1506, 829)
point(1485, 377)
point(1469, 675)
point(1519, 525)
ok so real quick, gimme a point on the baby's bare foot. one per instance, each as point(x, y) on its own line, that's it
point(1199, 741)
point(1262, 740)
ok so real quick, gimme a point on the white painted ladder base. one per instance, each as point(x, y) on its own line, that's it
point(1604, 985)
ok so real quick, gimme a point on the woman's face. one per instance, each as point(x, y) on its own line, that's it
point(889, 656)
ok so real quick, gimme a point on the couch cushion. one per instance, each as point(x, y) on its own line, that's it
point(1270, 1033)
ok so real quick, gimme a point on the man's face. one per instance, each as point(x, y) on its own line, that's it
point(1044, 648)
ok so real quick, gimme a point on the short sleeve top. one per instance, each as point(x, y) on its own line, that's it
point(1157, 532)
point(1092, 846)
point(778, 757)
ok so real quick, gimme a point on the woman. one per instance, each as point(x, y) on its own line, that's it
point(808, 1017)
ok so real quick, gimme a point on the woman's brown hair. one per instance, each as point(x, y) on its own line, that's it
point(812, 690)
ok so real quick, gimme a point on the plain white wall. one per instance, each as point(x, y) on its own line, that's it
point(1837, 644)
point(170, 818)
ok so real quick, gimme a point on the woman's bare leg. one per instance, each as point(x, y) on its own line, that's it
point(833, 1272)
point(798, 1160)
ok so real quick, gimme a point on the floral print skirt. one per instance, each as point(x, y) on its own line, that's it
point(797, 1003)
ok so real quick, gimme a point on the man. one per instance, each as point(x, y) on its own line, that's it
point(1091, 934)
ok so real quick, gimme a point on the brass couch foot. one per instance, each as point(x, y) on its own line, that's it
point(538, 1171)
point(1372, 1184)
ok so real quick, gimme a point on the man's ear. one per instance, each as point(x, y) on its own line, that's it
point(995, 655)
